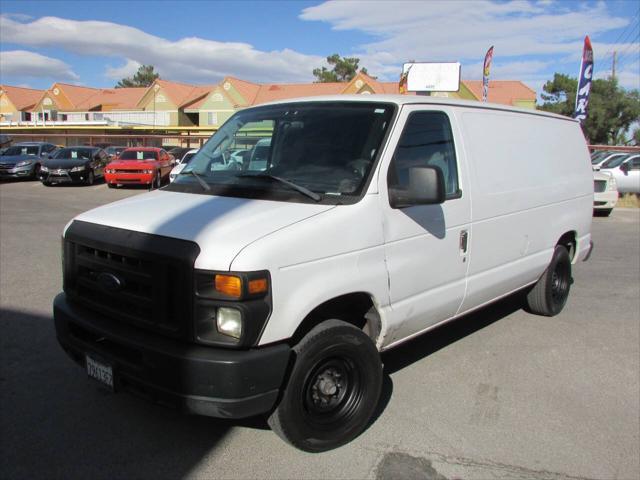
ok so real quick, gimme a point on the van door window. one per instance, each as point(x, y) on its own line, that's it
point(426, 141)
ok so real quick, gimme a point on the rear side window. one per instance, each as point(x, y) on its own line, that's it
point(426, 141)
point(635, 163)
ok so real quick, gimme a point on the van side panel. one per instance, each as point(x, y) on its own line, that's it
point(532, 182)
point(334, 253)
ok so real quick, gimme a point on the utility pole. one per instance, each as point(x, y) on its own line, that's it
point(613, 67)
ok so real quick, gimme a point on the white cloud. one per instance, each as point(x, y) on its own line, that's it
point(188, 59)
point(464, 30)
point(127, 70)
point(20, 63)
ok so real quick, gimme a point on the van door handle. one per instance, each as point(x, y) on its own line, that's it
point(464, 240)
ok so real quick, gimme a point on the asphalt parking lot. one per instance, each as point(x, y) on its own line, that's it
point(497, 394)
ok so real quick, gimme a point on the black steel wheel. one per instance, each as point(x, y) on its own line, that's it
point(90, 178)
point(549, 295)
point(333, 389)
point(36, 172)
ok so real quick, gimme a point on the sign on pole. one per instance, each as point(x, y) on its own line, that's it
point(485, 73)
point(430, 77)
point(584, 81)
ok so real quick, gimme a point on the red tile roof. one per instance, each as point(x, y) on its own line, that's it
point(114, 99)
point(506, 92)
point(22, 98)
point(182, 94)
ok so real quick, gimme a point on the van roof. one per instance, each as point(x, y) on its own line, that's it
point(418, 100)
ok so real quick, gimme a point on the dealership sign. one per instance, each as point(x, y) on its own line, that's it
point(431, 77)
point(584, 82)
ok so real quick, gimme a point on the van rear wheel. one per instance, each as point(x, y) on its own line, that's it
point(549, 296)
point(333, 389)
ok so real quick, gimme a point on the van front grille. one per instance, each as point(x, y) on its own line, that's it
point(134, 278)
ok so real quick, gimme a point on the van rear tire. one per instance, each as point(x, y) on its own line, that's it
point(549, 295)
point(333, 389)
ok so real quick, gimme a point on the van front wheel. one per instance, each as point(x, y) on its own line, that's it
point(549, 296)
point(333, 389)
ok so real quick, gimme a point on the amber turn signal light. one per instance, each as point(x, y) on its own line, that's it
point(258, 286)
point(229, 285)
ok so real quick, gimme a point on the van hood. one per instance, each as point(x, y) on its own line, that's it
point(221, 226)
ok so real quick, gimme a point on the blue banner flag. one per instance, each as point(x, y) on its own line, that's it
point(584, 82)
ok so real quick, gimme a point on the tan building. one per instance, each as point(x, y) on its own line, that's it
point(17, 103)
point(180, 107)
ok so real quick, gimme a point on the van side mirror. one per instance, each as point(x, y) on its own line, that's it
point(625, 168)
point(426, 187)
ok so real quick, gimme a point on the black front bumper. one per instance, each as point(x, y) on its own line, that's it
point(202, 380)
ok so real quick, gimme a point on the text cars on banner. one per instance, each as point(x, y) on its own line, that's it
point(584, 82)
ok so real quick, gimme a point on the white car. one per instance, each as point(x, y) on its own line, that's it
point(184, 161)
point(605, 194)
point(627, 174)
point(597, 162)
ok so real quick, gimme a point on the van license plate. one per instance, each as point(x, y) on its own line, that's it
point(100, 371)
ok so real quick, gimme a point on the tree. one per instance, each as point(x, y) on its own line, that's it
point(611, 108)
point(343, 69)
point(144, 77)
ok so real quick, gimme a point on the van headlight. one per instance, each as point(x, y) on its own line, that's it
point(612, 184)
point(79, 168)
point(229, 322)
point(23, 163)
point(43, 168)
point(231, 308)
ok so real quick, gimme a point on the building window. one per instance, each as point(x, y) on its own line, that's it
point(212, 118)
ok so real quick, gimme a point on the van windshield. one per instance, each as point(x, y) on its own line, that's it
point(291, 150)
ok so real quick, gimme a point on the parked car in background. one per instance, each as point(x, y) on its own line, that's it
point(184, 161)
point(627, 174)
point(597, 162)
point(179, 152)
point(139, 166)
point(605, 193)
point(74, 165)
point(24, 160)
point(114, 152)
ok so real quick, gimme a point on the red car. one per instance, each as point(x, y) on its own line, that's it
point(139, 166)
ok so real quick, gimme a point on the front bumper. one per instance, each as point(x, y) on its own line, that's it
point(17, 172)
point(121, 178)
point(605, 200)
point(208, 381)
point(63, 176)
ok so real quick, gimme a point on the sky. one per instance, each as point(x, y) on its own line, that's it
point(96, 43)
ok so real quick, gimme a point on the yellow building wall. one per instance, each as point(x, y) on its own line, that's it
point(7, 110)
point(217, 102)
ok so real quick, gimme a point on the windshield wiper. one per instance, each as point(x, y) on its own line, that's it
point(204, 184)
point(299, 188)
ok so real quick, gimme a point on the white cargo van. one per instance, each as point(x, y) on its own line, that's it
point(373, 219)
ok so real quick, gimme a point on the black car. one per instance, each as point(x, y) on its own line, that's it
point(24, 160)
point(74, 165)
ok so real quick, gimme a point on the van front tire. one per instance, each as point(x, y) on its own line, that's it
point(549, 296)
point(333, 389)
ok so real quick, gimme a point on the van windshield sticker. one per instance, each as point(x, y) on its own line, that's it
point(140, 155)
point(74, 154)
point(379, 110)
point(24, 151)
